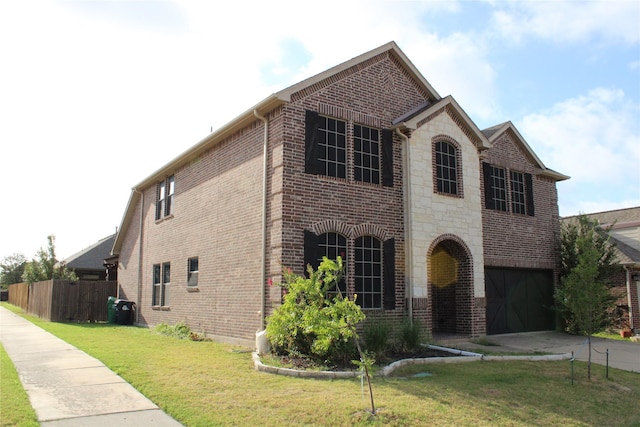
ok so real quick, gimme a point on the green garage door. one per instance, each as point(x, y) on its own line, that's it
point(518, 300)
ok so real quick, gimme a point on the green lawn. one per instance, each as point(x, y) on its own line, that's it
point(209, 384)
point(15, 409)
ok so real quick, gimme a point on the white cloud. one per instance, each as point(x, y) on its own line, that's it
point(595, 139)
point(570, 21)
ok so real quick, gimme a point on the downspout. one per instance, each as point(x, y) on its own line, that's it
point(628, 280)
point(408, 223)
point(139, 296)
point(263, 299)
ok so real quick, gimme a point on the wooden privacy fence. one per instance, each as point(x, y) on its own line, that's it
point(66, 301)
point(19, 295)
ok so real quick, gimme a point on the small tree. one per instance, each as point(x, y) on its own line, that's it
point(43, 266)
point(583, 296)
point(11, 269)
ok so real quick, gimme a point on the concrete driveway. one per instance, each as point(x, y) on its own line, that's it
point(622, 354)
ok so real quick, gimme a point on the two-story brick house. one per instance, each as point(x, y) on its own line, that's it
point(365, 160)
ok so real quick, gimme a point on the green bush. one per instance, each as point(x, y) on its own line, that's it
point(312, 322)
point(376, 336)
point(179, 330)
point(410, 334)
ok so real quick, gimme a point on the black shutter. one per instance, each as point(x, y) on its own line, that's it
point(389, 278)
point(311, 250)
point(312, 163)
point(489, 202)
point(528, 189)
point(387, 158)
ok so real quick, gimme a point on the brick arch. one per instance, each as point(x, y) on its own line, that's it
point(452, 303)
point(370, 230)
point(332, 226)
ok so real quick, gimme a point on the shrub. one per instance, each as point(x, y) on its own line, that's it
point(376, 335)
point(312, 322)
point(179, 330)
point(410, 334)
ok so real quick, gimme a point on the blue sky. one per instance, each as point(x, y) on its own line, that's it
point(96, 95)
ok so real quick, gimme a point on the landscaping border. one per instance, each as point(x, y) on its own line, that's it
point(463, 356)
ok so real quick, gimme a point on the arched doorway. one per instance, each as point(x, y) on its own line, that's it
point(450, 275)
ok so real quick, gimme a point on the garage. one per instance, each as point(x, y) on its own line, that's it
point(519, 300)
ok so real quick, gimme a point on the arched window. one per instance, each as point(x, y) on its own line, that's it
point(330, 245)
point(446, 159)
point(368, 272)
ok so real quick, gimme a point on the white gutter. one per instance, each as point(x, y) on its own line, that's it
point(408, 224)
point(139, 296)
point(263, 298)
point(628, 280)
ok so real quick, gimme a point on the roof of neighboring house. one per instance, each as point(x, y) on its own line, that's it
point(92, 257)
point(614, 221)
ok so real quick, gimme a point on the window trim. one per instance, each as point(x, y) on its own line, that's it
point(165, 194)
point(161, 281)
point(457, 169)
point(191, 272)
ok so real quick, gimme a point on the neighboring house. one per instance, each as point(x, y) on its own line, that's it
point(88, 264)
point(623, 227)
point(366, 161)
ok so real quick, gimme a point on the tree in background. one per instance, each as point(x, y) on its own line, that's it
point(45, 266)
point(11, 269)
point(583, 298)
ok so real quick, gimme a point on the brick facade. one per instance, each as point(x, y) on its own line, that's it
point(218, 205)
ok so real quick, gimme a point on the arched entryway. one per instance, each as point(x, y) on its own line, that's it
point(450, 276)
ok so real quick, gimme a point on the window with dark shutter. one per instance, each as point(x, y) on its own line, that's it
point(366, 154)
point(488, 186)
point(518, 201)
point(368, 272)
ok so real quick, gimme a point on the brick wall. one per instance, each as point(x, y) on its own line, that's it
point(515, 240)
point(373, 93)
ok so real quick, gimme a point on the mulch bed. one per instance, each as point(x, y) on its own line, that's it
point(302, 363)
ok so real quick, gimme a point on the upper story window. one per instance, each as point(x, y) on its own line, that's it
point(366, 154)
point(164, 197)
point(519, 200)
point(518, 204)
point(446, 165)
point(192, 272)
point(499, 188)
point(328, 142)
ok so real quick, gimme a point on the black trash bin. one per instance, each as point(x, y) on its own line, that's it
point(125, 312)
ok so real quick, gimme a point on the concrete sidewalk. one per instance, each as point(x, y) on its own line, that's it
point(69, 388)
point(622, 354)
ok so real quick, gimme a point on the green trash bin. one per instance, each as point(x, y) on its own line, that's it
point(111, 309)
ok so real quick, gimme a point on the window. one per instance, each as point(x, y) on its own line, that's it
point(374, 266)
point(328, 142)
point(192, 272)
point(368, 272)
point(161, 281)
point(333, 147)
point(366, 152)
point(446, 168)
point(518, 204)
point(499, 188)
point(495, 190)
point(164, 197)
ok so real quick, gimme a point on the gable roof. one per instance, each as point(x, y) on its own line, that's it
point(262, 108)
point(495, 132)
point(412, 119)
point(92, 257)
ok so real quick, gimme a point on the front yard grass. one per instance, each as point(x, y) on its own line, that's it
point(15, 409)
point(212, 384)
